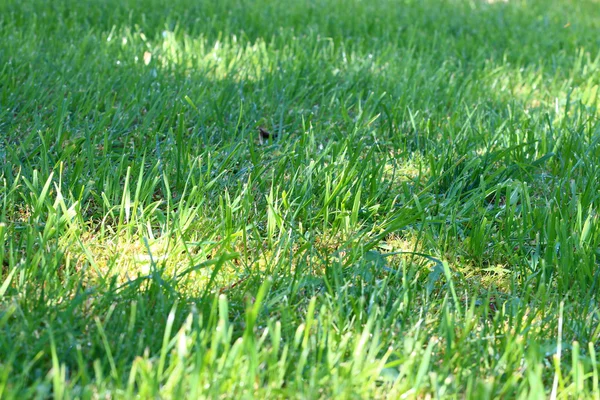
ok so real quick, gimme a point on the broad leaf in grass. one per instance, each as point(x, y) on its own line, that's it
point(434, 275)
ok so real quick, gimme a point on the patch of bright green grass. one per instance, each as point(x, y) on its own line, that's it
point(422, 221)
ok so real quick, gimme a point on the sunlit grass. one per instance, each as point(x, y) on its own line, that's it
point(421, 220)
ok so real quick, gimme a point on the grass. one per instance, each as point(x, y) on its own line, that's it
point(422, 221)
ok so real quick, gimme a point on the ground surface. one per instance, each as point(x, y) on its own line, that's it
point(420, 219)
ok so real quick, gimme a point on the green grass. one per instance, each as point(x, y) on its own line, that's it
point(422, 223)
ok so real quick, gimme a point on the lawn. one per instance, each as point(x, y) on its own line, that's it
point(417, 218)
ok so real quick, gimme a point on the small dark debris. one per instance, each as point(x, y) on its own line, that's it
point(265, 134)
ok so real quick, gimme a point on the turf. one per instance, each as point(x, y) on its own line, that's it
point(417, 218)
